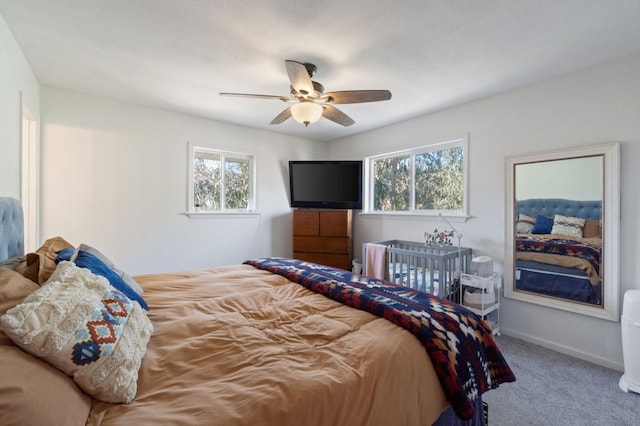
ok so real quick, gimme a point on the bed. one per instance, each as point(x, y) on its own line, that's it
point(558, 248)
point(272, 341)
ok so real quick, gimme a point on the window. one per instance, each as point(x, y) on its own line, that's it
point(427, 180)
point(220, 181)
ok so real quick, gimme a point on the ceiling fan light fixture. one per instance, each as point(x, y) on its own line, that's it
point(306, 112)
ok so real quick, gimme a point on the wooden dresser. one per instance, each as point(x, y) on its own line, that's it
point(323, 236)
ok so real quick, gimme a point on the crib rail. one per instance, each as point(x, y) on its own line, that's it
point(434, 269)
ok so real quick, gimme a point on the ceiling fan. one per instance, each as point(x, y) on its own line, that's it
point(309, 100)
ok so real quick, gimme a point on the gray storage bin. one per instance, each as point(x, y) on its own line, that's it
point(357, 266)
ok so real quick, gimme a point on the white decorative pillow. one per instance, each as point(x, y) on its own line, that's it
point(525, 223)
point(80, 324)
point(565, 225)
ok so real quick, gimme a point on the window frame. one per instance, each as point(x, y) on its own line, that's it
point(223, 153)
point(461, 141)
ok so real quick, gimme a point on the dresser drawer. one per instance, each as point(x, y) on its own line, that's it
point(306, 222)
point(321, 245)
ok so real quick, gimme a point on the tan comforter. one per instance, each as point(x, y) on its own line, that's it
point(237, 345)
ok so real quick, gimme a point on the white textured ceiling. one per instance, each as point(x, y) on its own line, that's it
point(431, 54)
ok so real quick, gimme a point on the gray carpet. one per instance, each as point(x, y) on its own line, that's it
point(556, 389)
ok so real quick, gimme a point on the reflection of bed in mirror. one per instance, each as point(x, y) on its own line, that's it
point(558, 249)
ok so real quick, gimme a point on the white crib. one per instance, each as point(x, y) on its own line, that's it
point(434, 269)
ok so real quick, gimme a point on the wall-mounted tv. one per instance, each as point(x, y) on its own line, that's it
point(326, 184)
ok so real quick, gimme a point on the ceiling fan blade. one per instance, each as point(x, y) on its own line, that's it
point(299, 77)
point(251, 95)
point(356, 96)
point(282, 116)
point(337, 116)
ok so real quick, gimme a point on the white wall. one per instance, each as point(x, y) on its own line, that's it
point(595, 106)
point(573, 179)
point(17, 82)
point(115, 176)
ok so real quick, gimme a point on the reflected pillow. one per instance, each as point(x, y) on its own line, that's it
point(525, 223)
point(591, 229)
point(566, 225)
point(543, 225)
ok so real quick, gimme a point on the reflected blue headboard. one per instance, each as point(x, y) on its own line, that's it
point(551, 206)
point(11, 228)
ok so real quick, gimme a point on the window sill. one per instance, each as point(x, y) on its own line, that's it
point(415, 215)
point(217, 215)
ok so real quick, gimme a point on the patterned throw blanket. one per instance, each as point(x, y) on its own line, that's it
point(571, 248)
point(460, 345)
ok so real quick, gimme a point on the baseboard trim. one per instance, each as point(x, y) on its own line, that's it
point(567, 350)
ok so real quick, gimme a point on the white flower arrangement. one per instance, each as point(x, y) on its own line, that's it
point(438, 238)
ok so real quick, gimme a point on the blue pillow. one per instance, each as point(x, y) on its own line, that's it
point(543, 225)
point(98, 267)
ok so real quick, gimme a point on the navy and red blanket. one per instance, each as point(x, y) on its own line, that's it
point(459, 343)
point(564, 247)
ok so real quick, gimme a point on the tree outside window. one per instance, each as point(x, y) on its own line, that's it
point(221, 181)
point(439, 180)
point(392, 183)
point(424, 180)
point(236, 175)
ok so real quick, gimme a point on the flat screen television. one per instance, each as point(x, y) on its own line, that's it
point(326, 184)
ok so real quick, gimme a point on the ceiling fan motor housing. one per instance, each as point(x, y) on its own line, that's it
point(317, 88)
point(311, 68)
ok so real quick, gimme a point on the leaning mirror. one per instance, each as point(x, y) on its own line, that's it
point(563, 214)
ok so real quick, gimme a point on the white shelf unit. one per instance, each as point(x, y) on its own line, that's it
point(488, 305)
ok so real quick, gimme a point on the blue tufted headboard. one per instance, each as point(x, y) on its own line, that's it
point(11, 228)
point(551, 206)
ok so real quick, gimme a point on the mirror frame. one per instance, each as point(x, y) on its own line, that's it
point(610, 237)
